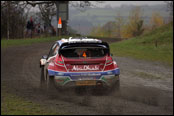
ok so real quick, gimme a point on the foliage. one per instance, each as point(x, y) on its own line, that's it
point(119, 23)
point(134, 27)
point(97, 31)
point(156, 20)
point(156, 45)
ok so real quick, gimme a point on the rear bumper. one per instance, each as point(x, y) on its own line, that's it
point(105, 81)
point(67, 79)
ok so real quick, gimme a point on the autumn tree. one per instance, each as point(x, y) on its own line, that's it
point(134, 26)
point(108, 29)
point(97, 31)
point(119, 22)
point(156, 20)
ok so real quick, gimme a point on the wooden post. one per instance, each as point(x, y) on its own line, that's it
point(156, 44)
point(59, 32)
point(57, 13)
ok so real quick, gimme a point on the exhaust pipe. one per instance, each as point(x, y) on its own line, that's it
point(99, 83)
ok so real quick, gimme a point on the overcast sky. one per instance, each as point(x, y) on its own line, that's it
point(119, 3)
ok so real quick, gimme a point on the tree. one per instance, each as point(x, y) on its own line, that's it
point(13, 19)
point(81, 4)
point(156, 20)
point(14, 11)
point(108, 29)
point(119, 22)
point(170, 7)
point(98, 31)
point(134, 27)
point(47, 13)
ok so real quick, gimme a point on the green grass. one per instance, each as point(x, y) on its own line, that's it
point(143, 47)
point(14, 105)
point(18, 42)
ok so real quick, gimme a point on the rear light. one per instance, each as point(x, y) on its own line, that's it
point(59, 61)
point(109, 60)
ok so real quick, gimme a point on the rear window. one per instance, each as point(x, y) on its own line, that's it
point(84, 52)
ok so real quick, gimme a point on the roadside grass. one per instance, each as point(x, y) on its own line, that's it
point(19, 42)
point(14, 105)
point(153, 46)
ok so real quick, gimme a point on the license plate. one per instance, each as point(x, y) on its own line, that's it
point(86, 82)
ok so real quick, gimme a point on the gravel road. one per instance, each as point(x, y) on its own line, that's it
point(145, 87)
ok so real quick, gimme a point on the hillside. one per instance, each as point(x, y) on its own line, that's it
point(156, 45)
point(99, 16)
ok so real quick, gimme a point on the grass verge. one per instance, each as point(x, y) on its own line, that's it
point(154, 46)
point(20, 42)
point(14, 105)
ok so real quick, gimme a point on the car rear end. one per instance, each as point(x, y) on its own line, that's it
point(85, 64)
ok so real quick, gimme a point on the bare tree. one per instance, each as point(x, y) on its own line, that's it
point(49, 4)
point(47, 13)
point(12, 19)
point(11, 9)
point(72, 3)
point(170, 8)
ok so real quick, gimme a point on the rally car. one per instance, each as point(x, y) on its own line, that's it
point(78, 62)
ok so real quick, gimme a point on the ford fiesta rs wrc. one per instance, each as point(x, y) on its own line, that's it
point(76, 62)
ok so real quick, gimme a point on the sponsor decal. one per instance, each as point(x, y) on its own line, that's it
point(84, 68)
point(86, 74)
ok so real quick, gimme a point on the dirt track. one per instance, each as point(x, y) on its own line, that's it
point(146, 87)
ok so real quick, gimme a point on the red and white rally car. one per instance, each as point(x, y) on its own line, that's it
point(79, 62)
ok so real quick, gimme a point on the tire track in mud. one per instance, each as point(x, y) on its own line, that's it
point(20, 72)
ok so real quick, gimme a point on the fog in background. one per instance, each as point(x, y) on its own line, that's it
point(119, 3)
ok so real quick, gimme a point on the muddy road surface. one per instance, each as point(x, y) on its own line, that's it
point(145, 87)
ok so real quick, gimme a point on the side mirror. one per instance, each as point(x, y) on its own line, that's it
point(44, 56)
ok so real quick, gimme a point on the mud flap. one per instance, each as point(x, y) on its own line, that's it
point(51, 87)
point(42, 79)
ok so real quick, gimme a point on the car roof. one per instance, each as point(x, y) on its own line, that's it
point(78, 40)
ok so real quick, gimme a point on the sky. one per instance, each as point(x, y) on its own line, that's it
point(119, 3)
